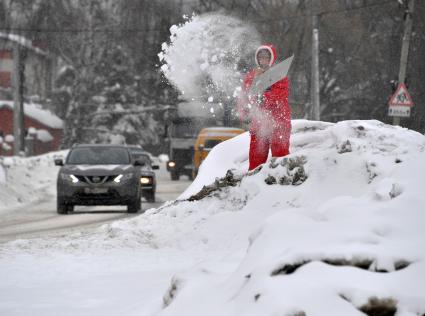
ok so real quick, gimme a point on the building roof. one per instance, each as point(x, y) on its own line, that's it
point(36, 112)
point(23, 41)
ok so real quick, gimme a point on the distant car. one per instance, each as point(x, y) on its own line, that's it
point(148, 177)
point(98, 175)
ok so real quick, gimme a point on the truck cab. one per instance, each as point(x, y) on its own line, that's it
point(185, 123)
point(207, 139)
point(182, 135)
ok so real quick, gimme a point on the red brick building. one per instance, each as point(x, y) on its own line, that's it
point(41, 125)
point(38, 71)
point(43, 130)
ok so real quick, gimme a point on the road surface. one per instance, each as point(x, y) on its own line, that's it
point(41, 218)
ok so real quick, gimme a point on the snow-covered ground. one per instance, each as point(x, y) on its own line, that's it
point(337, 224)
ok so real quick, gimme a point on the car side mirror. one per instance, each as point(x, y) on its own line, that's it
point(139, 162)
point(58, 162)
point(155, 167)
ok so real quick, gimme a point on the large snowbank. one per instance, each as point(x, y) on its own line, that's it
point(347, 233)
point(350, 234)
point(27, 180)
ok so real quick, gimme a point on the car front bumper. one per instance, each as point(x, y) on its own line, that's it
point(105, 194)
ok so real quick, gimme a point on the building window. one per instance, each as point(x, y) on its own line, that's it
point(5, 79)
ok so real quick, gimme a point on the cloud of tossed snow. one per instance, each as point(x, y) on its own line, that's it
point(203, 54)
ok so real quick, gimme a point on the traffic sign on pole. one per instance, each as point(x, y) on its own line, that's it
point(401, 97)
point(400, 102)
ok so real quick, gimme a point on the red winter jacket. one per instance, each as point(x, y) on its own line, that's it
point(274, 101)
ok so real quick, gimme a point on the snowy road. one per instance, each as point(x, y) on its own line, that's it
point(41, 218)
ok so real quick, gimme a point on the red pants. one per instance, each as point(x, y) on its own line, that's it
point(277, 140)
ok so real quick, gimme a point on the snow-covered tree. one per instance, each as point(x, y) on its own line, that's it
point(119, 102)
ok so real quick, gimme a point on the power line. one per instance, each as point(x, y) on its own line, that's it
point(323, 13)
point(141, 30)
point(382, 3)
point(82, 30)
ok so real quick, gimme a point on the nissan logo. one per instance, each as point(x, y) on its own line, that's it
point(96, 179)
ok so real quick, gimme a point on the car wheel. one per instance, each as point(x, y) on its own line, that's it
point(175, 176)
point(190, 175)
point(134, 206)
point(150, 197)
point(62, 207)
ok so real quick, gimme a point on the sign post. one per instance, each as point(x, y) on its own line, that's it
point(408, 22)
point(400, 103)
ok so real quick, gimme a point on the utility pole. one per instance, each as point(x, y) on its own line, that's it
point(315, 88)
point(18, 108)
point(405, 48)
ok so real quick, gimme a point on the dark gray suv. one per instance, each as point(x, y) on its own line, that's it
point(148, 177)
point(98, 175)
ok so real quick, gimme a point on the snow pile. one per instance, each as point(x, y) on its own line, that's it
point(348, 238)
point(335, 228)
point(27, 180)
point(206, 51)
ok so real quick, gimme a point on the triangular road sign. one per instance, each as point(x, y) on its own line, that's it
point(401, 97)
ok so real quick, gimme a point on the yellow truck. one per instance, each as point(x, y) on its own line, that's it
point(208, 138)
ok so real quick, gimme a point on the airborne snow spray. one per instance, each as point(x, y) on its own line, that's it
point(204, 55)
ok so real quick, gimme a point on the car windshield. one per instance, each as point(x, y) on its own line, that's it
point(210, 143)
point(141, 156)
point(98, 156)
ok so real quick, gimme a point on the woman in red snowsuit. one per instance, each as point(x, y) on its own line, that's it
point(270, 114)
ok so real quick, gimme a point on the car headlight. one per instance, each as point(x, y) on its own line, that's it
point(123, 177)
point(145, 180)
point(69, 177)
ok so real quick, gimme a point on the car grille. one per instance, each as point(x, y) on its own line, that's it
point(110, 195)
point(96, 179)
